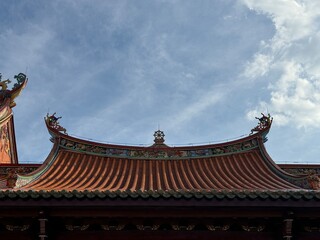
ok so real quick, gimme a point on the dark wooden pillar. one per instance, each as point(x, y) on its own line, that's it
point(287, 226)
point(42, 226)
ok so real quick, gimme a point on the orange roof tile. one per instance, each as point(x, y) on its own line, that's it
point(77, 171)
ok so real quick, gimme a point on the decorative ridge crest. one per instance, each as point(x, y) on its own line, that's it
point(5, 93)
point(265, 122)
point(52, 121)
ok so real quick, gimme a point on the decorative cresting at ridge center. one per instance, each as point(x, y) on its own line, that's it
point(158, 137)
point(158, 150)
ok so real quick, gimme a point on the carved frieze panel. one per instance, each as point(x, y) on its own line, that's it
point(160, 153)
point(18, 228)
point(253, 228)
point(223, 227)
point(188, 227)
point(77, 227)
point(108, 227)
point(148, 227)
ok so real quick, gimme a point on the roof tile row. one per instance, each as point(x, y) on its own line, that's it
point(75, 171)
point(213, 194)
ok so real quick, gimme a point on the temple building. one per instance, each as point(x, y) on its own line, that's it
point(91, 190)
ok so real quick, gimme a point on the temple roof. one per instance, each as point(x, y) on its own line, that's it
point(241, 166)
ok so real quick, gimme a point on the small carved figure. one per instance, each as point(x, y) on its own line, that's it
point(61, 129)
point(4, 84)
point(264, 122)
point(218, 151)
point(246, 145)
point(53, 122)
point(314, 181)
point(11, 179)
point(21, 77)
point(4, 93)
point(80, 147)
point(69, 144)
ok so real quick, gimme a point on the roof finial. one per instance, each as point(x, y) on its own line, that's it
point(158, 137)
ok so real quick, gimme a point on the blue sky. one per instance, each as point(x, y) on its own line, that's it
point(201, 70)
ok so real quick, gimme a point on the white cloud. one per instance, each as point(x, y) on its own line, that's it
point(259, 66)
point(291, 61)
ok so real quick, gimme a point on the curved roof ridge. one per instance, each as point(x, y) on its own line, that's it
point(57, 131)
